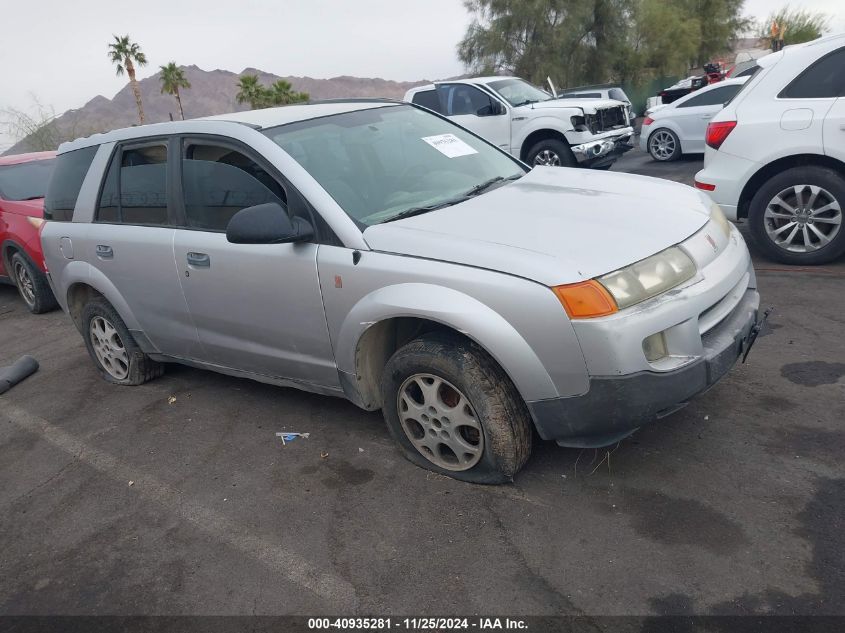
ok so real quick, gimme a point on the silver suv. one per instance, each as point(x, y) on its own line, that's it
point(379, 252)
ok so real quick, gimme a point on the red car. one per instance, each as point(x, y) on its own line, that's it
point(23, 183)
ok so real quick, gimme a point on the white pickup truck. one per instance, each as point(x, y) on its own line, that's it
point(529, 123)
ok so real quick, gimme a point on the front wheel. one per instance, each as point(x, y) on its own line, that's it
point(452, 409)
point(796, 217)
point(551, 153)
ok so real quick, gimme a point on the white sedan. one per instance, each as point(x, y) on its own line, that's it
point(679, 127)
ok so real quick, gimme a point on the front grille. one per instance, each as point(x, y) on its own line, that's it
point(607, 119)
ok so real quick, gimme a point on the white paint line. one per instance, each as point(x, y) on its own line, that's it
point(335, 590)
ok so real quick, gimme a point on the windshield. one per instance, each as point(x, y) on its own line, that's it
point(26, 181)
point(518, 92)
point(392, 161)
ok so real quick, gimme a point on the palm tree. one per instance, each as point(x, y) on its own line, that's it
point(281, 93)
point(251, 92)
point(125, 53)
point(172, 78)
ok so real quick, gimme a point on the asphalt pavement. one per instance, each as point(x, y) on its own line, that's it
point(177, 497)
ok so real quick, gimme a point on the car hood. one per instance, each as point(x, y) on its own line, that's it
point(554, 225)
point(589, 106)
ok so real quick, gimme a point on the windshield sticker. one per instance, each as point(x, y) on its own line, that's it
point(449, 145)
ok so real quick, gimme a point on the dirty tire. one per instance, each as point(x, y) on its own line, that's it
point(551, 153)
point(141, 368)
point(503, 416)
point(37, 295)
point(823, 177)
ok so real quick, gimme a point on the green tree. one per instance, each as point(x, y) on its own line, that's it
point(799, 25)
point(124, 54)
point(719, 22)
point(252, 92)
point(282, 93)
point(172, 79)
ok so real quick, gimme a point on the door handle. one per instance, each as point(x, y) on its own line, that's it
point(842, 127)
point(104, 251)
point(200, 260)
point(706, 116)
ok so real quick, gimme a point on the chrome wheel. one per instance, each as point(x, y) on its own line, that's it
point(26, 285)
point(440, 422)
point(109, 348)
point(662, 145)
point(802, 218)
point(547, 158)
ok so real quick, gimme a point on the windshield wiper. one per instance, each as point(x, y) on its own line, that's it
point(480, 188)
point(526, 102)
point(407, 213)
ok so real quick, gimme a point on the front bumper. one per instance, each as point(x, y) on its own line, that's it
point(615, 406)
point(602, 151)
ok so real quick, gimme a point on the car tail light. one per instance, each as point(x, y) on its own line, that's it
point(704, 186)
point(648, 121)
point(717, 132)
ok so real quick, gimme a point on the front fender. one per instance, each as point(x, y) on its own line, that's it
point(456, 310)
point(553, 123)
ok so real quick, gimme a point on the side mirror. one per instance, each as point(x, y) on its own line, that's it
point(494, 109)
point(267, 224)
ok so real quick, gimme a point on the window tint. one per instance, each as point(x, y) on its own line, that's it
point(824, 79)
point(428, 99)
point(65, 183)
point(26, 181)
point(461, 99)
point(717, 96)
point(135, 189)
point(218, 182)
point(748, 72)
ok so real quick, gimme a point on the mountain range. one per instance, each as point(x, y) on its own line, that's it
point(211, 92)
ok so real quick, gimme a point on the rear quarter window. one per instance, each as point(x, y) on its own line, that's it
point(70, 172)
point(824, 79)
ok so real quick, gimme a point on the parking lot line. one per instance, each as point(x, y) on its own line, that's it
point(335, 590)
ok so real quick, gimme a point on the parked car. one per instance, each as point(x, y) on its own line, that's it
point(776, 154)
point(679, 127)
point(23, 183)
point(531, 124)
point(376, 251)
point(601, 91)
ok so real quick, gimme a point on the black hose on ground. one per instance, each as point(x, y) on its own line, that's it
point(17, 371)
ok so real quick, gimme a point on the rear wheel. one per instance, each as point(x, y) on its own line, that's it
point(452, 409)
point(796, 217)
point(664, 145)
point(32, 285)
point(551, 153)
point(112, 348)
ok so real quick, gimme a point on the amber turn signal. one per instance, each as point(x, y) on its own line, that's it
point(585, 299)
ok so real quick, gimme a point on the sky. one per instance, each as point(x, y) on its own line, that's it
point(56, 49)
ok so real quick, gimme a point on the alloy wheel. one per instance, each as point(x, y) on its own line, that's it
point(802, 218)
point(547, 158)
point(662, 145)
point(440, 422)
point(108, 348)
point(25, 283)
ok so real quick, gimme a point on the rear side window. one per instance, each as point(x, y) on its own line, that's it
point(27, 181)
point(65, 183)
point(618, 94)
point(428, 99)
point(135, 188)
point(717, 96)
point(218, 181)
point(824, 79)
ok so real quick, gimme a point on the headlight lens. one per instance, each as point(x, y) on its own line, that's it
point(719, 219)
point(649, 277)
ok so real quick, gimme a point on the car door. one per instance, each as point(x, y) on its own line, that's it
point(257, 307)
point(693, 115)
point(477, 111)
point(131, 243)
point(834, 130)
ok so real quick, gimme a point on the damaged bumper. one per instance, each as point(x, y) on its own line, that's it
point(602, 151)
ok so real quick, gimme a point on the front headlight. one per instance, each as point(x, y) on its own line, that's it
point(649, 277)
point(719, 218)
